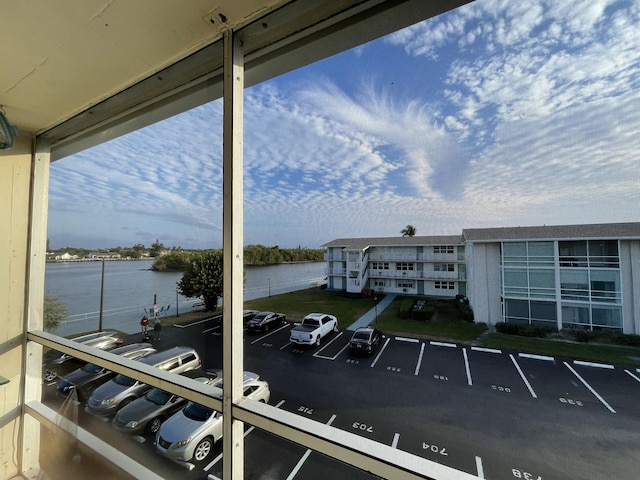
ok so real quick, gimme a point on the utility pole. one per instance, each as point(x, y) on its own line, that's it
point(101, 297)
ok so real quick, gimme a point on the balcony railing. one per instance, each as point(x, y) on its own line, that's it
point(379, 459)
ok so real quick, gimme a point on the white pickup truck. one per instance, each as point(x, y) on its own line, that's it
point(313, 328)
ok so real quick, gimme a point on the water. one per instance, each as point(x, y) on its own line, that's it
point(130, 287)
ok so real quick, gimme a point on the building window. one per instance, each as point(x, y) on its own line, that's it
point(380, 265)
point(443, 249)
point(444, 285)
point(444, 267)
point(404, 266)
point(405, 284)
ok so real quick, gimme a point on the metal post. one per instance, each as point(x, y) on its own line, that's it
point(232, 218)
point(177, 298)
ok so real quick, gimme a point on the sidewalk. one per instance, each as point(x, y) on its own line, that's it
point(370, 316)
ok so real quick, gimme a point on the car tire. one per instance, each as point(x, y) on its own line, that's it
point(203, 449)
point(154, 425)
point(266, 328)
point(318, 340)
point(335, 327)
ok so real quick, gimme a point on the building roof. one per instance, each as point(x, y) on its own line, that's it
point(554, 232)
point(362, 243)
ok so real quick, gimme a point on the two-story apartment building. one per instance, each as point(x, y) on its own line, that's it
point(565, 276)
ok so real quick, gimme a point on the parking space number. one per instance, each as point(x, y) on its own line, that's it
point(525, 475)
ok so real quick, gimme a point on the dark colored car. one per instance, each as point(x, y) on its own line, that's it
point(86, 379)
point(265, 321)
point(365, 340)
point(56, 364)
point(146, 414)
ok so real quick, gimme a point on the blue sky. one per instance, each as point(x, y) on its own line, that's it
point(500, 113)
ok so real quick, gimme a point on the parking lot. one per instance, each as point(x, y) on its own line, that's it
point(495, 414)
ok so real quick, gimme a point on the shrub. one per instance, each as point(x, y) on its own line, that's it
point(424, 314)
point(405, 308)
point(583, 336)
point(524, 330)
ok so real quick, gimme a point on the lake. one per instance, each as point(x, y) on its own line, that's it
point(130, 288)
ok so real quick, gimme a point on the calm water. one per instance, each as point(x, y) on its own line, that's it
point(129, 289)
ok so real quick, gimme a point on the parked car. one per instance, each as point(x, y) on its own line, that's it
point(248, 315)
point(110, 397)
point(191, 432)
point(56, 364)
point(86, 379)
point(365, 340)
point(313, 329)
point(265, 321)
point(146, 414)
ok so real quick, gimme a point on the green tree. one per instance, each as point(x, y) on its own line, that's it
point(408, 231)
point(172, 261)
point(203, 278)
point(54, 312)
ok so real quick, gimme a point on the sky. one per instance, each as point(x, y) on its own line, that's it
point(497, 114)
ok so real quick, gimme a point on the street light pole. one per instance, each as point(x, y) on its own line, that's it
point(101, 297)
point(375, 306)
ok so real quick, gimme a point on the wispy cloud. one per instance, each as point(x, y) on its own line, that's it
point(520, 113)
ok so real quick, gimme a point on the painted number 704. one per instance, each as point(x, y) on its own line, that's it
point(525, 475)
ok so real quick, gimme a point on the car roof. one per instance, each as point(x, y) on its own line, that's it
point(164, 355)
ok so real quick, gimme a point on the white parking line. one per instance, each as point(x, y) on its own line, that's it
point(219, 457)
point(298, 466)
point(633, 376)
point(396, 437)
point(536, 357)
point(318, 353)
point(380, 352)
point(524, 379)
point(268, 334)
point(419, 360)
point(591, 364)
point(405, 339)
point(443, 344)
point(486, 350)
point(479, 467)
point(584, 382)
point(466, 366)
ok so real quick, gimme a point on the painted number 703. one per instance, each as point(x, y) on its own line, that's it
point(525, 475)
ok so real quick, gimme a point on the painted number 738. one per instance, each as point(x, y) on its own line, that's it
point(525, 475)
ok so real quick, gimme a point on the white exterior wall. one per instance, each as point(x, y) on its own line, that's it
point(483, 282)
point(630, 283)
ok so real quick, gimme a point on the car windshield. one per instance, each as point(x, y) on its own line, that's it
point(361, 336)
point(124, 380)
point(197, 412)
point(91, 368)
point(159, 397)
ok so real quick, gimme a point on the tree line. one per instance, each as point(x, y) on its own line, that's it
point(254, 255)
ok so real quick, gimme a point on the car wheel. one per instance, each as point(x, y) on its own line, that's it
point(154, 425)
point(266, 327)
point(318, 340)
point(203, 449)
point(335, 327)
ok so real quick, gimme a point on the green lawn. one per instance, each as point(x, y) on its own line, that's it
point(446, 325)
point(296, 305)
point(582, 351)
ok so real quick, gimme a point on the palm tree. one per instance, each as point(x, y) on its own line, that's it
point(408, 231)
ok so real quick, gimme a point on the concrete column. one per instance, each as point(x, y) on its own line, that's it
point(24, 184)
